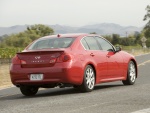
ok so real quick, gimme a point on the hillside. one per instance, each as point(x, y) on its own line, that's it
point(103, 29)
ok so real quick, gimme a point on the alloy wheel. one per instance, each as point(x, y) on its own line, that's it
point(132, 72)
point(90, 78)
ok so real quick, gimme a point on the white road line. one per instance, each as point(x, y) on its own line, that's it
point(16, 94)
point(7, 87)
point(144, 63)
point(7, 95)
point(82, 108)
point(142, 54)
point(142, 111)
point(137, 65)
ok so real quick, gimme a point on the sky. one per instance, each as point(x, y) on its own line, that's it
point(75, 13)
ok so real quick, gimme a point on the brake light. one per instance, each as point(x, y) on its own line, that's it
point(58, 35)
point(52, 60)
point(23, 62)
point(64, 58)
point(16, 60)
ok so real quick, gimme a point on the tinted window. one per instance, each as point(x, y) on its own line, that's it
point(92, 43)
point(104, 44)
point(84, 43)
point(52, 43)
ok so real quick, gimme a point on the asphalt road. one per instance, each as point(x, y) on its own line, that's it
point(111, 97)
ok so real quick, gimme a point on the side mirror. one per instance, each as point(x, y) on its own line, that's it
point(118, 48)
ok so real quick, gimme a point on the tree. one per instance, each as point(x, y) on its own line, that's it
point(3, 37)
point(148, 42)
point(108, 37)
point(147, 26)
point(115, 39)
point(93, 33)
point(40, 30)
point(137, 36)
point(22, 39)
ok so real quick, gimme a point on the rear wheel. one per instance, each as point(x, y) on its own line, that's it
point(131, 74)
point(28, 90)
point(88, 80)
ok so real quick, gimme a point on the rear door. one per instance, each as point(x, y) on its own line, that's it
point(96, 56)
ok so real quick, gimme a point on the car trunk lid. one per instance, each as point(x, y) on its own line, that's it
point(36, 59)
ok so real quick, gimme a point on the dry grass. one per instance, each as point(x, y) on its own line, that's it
point(4, 76)
point(136, 52)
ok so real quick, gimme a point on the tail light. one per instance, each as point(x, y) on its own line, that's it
point(64, 58)
point(16, 60)
point(23, 62)
point(52, 61)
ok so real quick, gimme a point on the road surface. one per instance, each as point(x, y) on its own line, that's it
point(111, 97)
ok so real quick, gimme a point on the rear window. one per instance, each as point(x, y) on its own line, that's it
point(51, 43)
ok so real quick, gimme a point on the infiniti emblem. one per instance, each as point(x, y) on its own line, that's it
point(37, 57)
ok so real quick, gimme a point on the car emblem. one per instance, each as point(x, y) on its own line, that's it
point(37, 57)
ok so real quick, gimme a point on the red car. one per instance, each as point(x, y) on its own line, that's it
point(78, 60)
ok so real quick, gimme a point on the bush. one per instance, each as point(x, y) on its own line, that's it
point(9, 52)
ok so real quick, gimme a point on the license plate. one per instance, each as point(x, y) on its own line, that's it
point(36, 77)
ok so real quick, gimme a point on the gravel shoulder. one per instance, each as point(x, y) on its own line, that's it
point(5, 81)
point(4, 76)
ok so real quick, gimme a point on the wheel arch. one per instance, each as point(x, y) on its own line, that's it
point(135, 66)
point(92, 65)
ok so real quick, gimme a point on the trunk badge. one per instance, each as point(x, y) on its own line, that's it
point(37, 57)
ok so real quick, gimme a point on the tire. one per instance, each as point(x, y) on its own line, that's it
point(88, 80)
point(75, 86)
point(28, 90)
point(131, 74)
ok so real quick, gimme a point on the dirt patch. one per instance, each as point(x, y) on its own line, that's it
point(136, 52)
point(5, 76)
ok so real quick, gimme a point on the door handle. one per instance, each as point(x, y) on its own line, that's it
point(92, 54)
point(108, 56)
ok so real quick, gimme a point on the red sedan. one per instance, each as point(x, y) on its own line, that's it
point(78, 60)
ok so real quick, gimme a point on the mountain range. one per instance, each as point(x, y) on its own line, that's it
point(102, 29)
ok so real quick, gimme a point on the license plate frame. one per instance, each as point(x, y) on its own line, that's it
point(36, 77)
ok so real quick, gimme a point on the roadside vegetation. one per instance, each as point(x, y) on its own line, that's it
point(10, 45)
point(4, 76)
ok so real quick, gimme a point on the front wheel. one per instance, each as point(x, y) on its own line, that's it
point(28, 90)
point(88, 80)
point(131, 74)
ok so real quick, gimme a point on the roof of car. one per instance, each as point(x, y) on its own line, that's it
point(67, 35)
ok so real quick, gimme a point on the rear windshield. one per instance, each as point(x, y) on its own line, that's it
point(51, 43)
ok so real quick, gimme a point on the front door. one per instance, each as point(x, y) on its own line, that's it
point(115, 65)
point(114, 60)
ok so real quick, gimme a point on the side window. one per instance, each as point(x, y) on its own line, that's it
point(92, 43)
point(84, 44)
point(104, 44)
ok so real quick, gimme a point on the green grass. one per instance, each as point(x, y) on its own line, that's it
point(135, 50)
point(9, 52)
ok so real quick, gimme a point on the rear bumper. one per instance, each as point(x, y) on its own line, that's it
point(51, 75)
